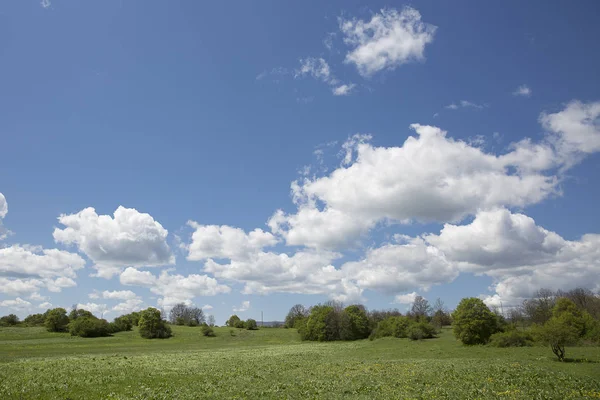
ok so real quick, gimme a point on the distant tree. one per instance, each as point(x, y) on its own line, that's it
point(440, 316)
point(151, 325)
point(473, 322)
point(354, 323)
point(376, 316)
point(195, 316)
point(121, 324)
point(420, 307)
point(321, 324)
point(178, 314)
point(207, 330)
point(56, 320)
point(78, 312)
point(134, 317)
point(9, 320)
point(89, 326)
point(538, 310)
point(35, 320)
point(297, 312)
point(211, 320)
point(233, 321)
point(251, 325)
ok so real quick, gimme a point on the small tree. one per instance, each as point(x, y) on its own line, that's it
point(473, 321)
point(233, 321)
point(152, 325)
point(9, 320)
point(56, 320)
point(557, 333)
point(251, 325)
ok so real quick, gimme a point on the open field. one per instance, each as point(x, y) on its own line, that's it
point(273, 363)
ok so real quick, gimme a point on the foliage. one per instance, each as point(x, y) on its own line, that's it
point(151, 325)
point(56, 320)
point(9, 320)
point(511, 338)
point(234, 322)
point(77, 313)
point(320, 324)
point(441, 318)
point(122, 324)
point(35, 320)
point(404, 327)
point(557, 333)
point(420, 307)
point(207, 330)
point(473, 322)
point(251, 325)
point(182, 314)
point(297, 312)
point(89, 326)
point(421, 330)
point(354, 323)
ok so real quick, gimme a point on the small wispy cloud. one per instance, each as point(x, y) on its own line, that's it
point(522, 90)
point(277, 71)
point(343, 90)
point(464, 104)
point(45, 3)
point(244, 307)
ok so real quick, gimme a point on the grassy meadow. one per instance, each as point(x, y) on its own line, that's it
point(274, 363)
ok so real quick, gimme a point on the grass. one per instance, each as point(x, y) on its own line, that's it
point(273, 363)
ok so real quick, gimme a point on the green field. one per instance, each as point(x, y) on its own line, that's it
point(274, 363)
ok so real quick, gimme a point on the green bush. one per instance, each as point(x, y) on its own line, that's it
point(512, 338)
point(207, 330)
point(392, 327)
point(152, 326)
point(354, 323)
point(473, 322)
point(35, 320)
point(122, 324)
point(56, 320)
point(251, 325)
point(89, 326)
point(9, 320)
point(233, 321)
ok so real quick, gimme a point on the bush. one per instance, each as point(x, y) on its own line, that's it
point(9, 320)
point(473, 322)
point(251, 325)
point(35, 320)
point(392, 327)
point(207, 330)
point(56, 320)
point(513, 338)
point(151, 325)
point(233, 321)
point(354, 323)
point(89, 327)
point(122, 324)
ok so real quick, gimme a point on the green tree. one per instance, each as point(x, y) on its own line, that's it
point(251, 325)
point(9, 320)
point(354, 323)
point(89, 326)
point(78, 312)
point(297, 312)
point(35, 320)
point(473, 322)
point(233, 321)
point(56, 320)
point(151, 325)
point(557, 333)
point(321, 324)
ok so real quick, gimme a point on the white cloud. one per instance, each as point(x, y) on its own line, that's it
point(318, 68)
point(244, 307)
point(16, 287)
point(45, 3)
point(96, 309)
point(343, 90)
point(45, 305)
point(130, 238)
point(173, 288)
point(207, 307)
point(407, 298)
point(328, 41)
point(37, 297)
point(388, 40)
point(16, 304)
point(128, 306)
point(464, 104)
point(3, 206)
point(212, 241)
point(115, 294)
point(430, 178)
point(522, 90)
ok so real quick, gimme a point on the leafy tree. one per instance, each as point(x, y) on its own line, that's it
point(151, 325)
point(392, 327)
point(233, 321)
point(35, 320)
point(251, 325)
point(316, 328)
point(89, 326)
point(56, 320)
point(9, 320)
point(240, 324)
point(207, 330)
point(121, 324)
point(473, 322)
point(297, 312)
point(355, 323)
point(211, 320)
point(76, 313)
point(557, 333)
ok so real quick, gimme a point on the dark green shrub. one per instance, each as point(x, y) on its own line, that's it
point(89, 327)
point(473, 322)
point(354, 323)
point(392, 327)
point(35, 320)
point(122, 324)
point(251, 325)
point(9, 320)
point(421, 330)
point(511, 338)
point(207, 330)
point(240, 324)
point(56, 320)
point(151, 325)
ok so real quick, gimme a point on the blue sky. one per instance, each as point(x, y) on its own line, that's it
point(223, 114)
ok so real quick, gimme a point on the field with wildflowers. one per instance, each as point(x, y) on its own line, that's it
point(273, 363)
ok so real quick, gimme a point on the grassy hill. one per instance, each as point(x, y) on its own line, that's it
point(273, 363)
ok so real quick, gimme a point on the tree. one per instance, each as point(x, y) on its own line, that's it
point(296, 313)
point(211, 320)
point(35, 320)
point(539, 309)
point(9, 320)
point(420, 307)
point(321, 324)
point(473, 321)
point(152, 325)
point(89, 326)
point(178, 316)
point(56, 320)
point(121, 324)
point(79, 312)
point(251, 325)
point(233, 321)
point(441, 316)
point(354, 323)
point(557, 333)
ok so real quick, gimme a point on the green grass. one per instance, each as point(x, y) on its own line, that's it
point(273, 363)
